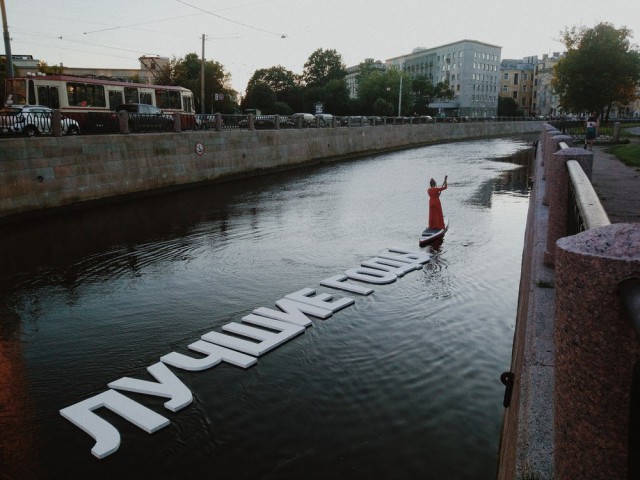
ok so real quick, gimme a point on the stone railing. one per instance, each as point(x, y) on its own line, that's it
point(583, 427)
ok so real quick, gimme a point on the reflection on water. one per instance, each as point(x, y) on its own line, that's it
point(403, 384)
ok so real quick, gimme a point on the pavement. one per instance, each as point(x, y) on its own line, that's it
point(617, 185)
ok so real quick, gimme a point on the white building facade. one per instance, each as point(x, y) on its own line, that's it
point(471, 68)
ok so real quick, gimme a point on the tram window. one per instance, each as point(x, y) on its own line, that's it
point(32, 93)
point(168, 99)
point(186, 104)
point(54, 98)
point(48, 96)
point(115, 99)
point(131, 95)
point(145, 98)
point(16, 92)
point(86, 95)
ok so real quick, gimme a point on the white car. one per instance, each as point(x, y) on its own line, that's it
point(308, 120)
point(33, 120)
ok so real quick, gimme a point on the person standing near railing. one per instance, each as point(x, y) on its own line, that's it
point(591, 132)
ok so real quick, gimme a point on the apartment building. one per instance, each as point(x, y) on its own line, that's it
point(545, 101)
point(471, 68)
point(517, 81)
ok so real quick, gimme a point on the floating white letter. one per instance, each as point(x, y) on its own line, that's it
point(394, 266)
point(338, 281)
point(322, 300)
point(215, 354)
point(371, 275)
point(106, 436)
point(293, 312)
point(169, 387)
point(408, 256)
point(267, 340)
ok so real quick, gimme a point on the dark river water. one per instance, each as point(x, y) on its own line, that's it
point(403, 384)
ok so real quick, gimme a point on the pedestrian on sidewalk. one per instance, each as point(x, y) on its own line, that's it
point(592, 130)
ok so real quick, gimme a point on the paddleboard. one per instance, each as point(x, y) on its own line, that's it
point(430, 235)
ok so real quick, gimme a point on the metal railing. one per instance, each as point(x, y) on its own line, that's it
point(109, 123)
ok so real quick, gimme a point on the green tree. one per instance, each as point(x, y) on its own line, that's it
point(262, 97)
point(278, 78)
point(335, 96)
point(439, 91)
point(384, 85)
point(421, 86)
point(186, 72)
point(599, 69)
point(323, 66)
point(284, 83)
point(382, 108)
point(49, 70)
point(508, 107)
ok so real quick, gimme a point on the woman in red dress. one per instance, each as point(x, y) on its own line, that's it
point(436, 219)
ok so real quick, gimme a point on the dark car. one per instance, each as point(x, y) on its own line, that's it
point(144, 117)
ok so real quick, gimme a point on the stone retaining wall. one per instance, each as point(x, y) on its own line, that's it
point(45, 172)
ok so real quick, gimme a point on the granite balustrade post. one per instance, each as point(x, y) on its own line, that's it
point(547, 129)
point(596, 348)
point(558, 194)
point(552, 146)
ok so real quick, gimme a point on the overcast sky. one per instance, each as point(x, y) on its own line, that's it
point(245, 35)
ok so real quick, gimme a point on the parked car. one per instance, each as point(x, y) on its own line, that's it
point(324, 119)
point(308, 120)
point(33, 120)
point(144, 117)
point(355, 121)
point(206, 121)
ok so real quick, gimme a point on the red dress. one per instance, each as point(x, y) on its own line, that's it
point(436, 219)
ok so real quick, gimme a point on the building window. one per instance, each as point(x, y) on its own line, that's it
point(505, 76)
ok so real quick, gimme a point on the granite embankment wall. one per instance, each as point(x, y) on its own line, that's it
point(48, 172)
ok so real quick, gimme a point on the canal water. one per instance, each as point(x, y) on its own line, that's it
point(402, 384)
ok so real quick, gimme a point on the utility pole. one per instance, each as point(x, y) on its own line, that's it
point(400, 97)
point(202, 79)
point(7, 41)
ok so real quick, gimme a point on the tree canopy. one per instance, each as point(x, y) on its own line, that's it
point(323, 66)
point(599, 69)
point(378, 89)
point(186, 73)
point(278, 78)
point(426, 93)
point(283, 83)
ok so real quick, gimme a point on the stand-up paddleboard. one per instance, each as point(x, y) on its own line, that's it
point(430, 235)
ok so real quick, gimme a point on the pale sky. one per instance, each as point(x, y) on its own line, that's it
point(245, 35)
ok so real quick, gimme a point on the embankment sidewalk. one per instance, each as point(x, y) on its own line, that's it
point(617, 185)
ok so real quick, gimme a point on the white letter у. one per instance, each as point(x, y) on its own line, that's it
point(169, 387)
